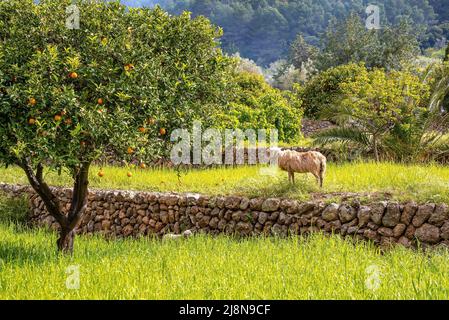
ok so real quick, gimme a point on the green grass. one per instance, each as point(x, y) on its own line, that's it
point(202, 267)
point(396, 181)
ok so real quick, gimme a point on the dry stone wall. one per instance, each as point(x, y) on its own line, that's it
point(125, 214)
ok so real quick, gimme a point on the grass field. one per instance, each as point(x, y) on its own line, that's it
point(216, 268)
point(402, 182)
point(317, 267)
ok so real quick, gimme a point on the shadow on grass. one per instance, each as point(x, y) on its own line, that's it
point(279, 186)
point(20, 254)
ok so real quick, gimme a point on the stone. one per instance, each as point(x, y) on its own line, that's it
point(256, 204)
point(392, 215)
point(244, 228)
point(371, 235)
point(333, 226)
point(410, 232)
point(214, 222)
point(232, 203)
point(106, 225)
point(440, 214)
point(305, 208)
point(364, 215)
point(346, 213)
point(352, 230)
point(330, 213)
point(274, 216)
point(387, 242)
point(236, 216)
point(271, 205)
point(244, 204)
point(386, 232)
point(222, 224)
point(263, 217)
point(423, 214)
point(445, 231)
point(127, 230)
point(405, 242)
point(408, 213)
point(204, 221)
point(428, 233)
point(164, 216)
point(399, 230)
point(377, 211)
point(289, 206)
point(276, 230)
point(282, 218)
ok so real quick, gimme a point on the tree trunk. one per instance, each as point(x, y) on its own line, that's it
point(69, 222)
point(376, 151)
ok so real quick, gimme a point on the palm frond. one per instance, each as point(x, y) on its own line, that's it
point(342, 135)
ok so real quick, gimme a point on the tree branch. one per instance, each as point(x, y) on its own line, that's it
point(50, 200)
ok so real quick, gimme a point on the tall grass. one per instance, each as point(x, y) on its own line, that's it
point(202, 267)
point(398, 181)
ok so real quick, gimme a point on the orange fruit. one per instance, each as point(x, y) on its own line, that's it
point(58, 118)
point(142, 130)
point(129, 67)
point(31, 121)
point(162, 131)
point(73, 75)
point(130, 150)
point(143, 166)
point(32, 101)
point(101, 174)
point(100, 101)
point(129, 174)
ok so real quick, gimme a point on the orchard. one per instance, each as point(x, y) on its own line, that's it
point(123, 80)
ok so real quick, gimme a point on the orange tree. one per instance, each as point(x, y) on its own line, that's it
point(124, 78)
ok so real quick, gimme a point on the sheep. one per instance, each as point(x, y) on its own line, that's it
point(301, 162)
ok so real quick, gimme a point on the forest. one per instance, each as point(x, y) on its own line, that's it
point(263, 30)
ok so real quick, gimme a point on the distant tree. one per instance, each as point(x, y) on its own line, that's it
point(446, 53)
point(349, 41)
point(301, 52)
point(247, 65)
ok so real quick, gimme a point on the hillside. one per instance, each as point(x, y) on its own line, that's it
point(263, 30)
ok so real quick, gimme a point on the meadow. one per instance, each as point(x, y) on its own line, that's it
point(202, 267)
point(368, 179)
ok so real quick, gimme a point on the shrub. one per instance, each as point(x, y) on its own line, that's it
point(324, 89)
point(387, 115)
point(259, 106)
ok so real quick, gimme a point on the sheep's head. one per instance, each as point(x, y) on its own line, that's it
point(274, 153)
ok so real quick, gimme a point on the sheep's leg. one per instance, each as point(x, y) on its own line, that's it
point(293, 177)
point(289, 176)
point(321, 180)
